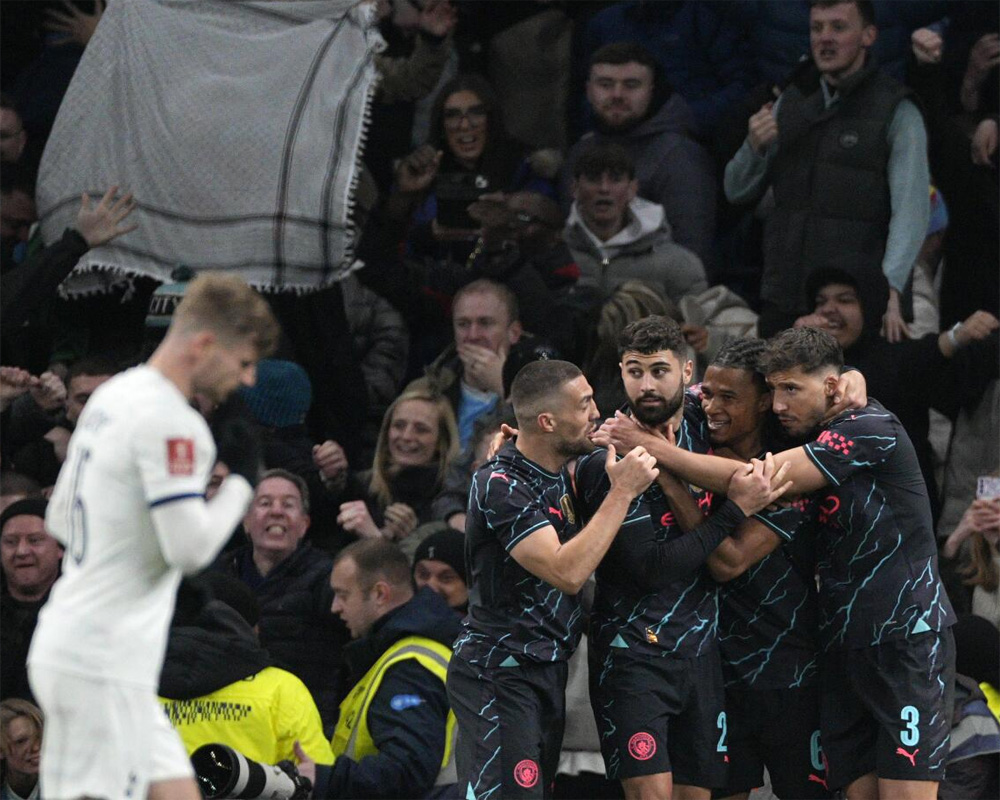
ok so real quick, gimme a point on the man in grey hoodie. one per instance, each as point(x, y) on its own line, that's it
point(616, 236)
point(634, 107)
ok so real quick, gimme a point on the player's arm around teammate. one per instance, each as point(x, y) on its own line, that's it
point(567, 565)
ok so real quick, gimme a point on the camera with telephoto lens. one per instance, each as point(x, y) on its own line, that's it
point(224, 772)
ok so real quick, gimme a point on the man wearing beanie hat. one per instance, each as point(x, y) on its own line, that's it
point(282, 394)
point(439, 564)
point(30, 559)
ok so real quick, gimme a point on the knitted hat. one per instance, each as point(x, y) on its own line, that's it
point(281, 396)
point(29, 507)
point(447, 545)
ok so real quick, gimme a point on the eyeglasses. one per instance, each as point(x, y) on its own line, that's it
point(474, 115)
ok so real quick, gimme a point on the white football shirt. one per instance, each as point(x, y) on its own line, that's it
point(137, 444)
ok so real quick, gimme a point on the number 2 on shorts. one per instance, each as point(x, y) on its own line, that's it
point(720, 723)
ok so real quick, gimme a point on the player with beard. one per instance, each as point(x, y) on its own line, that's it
point(528, 557)
point(888, 661)
point(656, 680)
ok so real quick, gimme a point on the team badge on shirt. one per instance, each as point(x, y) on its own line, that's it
point(180, 456)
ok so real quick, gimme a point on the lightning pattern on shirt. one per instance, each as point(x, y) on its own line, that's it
point(876, 554)
point(515, 617)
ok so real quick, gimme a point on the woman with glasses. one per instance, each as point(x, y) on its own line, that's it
point(469, 154)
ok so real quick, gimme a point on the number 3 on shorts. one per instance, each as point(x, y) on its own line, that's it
point(911, 734)
point(720, 723)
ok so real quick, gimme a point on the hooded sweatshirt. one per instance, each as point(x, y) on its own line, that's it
point(672, 168)
point(643, 250)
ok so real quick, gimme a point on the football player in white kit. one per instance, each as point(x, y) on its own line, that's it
point(130, 509)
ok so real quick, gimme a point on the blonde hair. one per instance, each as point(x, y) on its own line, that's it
point(227, 306)
point(447, 441)
point(981, 569)
point(11, 709)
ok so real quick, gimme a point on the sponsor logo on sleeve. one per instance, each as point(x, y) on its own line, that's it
point(401, 702)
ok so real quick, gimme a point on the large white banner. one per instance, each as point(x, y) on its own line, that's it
point(238, 127)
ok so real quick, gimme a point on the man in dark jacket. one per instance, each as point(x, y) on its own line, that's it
point(30, 560)
point(395, 734)
point(486, 324)
point(290, 579)
point(633, 107)
point(845, 152)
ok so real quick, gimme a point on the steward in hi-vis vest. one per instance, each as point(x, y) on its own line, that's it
point(395, 734)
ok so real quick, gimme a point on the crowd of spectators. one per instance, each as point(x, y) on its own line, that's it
point(658, 167)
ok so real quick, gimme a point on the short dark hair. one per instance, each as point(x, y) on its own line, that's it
point(866, 8)
point(527, 349)
point(291, 477)
point(604, 158)
point(624, 53)
point(378, 560)
point(808, 349)
point(744, 354)
point(536, 384)
point(650, 335)
point(93, 366)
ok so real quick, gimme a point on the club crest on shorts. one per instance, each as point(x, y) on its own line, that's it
point(642, 746)
point(567, 508)
point(526, 773)
point(180, 456)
